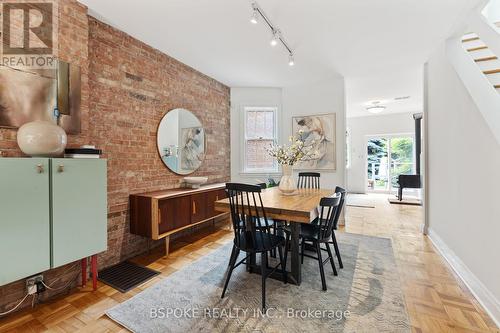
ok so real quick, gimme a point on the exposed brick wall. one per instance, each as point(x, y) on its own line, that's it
point(131, 87)
point(127, 87)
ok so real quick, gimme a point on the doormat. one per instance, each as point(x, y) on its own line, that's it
point(126, 276)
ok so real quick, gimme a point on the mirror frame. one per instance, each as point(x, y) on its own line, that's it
point(204, 143)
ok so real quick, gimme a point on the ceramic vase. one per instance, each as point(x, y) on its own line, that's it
point(287, 185)
point(42, 139)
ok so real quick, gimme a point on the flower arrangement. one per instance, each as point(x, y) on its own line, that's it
point(295, 152)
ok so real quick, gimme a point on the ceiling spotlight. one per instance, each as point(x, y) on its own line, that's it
point(375, 108)
point(291, 61)
point(276, 37)
point(255, 17)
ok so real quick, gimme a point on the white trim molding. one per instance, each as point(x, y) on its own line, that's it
point(489, 302)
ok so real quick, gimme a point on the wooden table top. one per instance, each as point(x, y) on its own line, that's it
point(302, 207)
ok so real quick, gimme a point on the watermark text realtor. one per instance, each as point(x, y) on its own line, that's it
point(28, 34)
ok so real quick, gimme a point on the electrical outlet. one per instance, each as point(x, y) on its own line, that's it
point(31, 284)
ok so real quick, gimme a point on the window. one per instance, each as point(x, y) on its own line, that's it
point(260, 132)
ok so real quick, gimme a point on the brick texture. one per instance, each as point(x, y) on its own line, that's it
point(127, 86)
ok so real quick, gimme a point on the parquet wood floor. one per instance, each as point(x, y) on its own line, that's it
point(436, 299)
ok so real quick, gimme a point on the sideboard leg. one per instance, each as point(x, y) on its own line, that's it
point(167, 245)
point(94, 271)
point(84, 272)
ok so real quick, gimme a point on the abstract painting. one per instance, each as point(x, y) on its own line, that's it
point(319, 131)
point(28, 95)
point(192, 147)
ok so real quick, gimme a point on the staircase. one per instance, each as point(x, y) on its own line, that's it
point(476, 59)
point(483, 56)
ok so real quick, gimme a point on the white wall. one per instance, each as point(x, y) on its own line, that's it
point(492, 11)
point(360, 128)
point(463, 183)
point(322, 97)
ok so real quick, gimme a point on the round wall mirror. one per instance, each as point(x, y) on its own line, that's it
point(181, 141)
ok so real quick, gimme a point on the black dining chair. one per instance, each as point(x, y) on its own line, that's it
point(338, 213)
point(308, 180)
point(252, 233)
point(320, 232)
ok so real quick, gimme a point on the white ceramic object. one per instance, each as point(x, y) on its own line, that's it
point(195, 182)
point(287, 185)
point(42, 139)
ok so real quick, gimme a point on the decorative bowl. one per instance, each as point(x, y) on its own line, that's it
point(195, 182)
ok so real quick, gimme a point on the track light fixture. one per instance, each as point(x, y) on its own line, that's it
point(277, 36)
point(255, 17)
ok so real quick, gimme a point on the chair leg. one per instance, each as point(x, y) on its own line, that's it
point(302, 248)
point(234, 256)
point(273, 251)
point(336, 247)
point(320, 261)
point(263, 272)
point(283, 264)
point(287, 241)
point(331, 259)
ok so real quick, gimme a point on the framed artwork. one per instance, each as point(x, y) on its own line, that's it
point(26, 96)
point(192, 147)
point(320, 132)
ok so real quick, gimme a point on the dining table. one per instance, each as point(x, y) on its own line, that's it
point(297, 209)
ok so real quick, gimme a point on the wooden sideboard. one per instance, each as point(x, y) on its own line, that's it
point(159, 214)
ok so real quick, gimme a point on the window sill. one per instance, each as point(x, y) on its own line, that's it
point(260, 174)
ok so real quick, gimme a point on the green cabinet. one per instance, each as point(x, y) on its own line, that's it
point(79, 209)
point(52, 212)
point(24, 218)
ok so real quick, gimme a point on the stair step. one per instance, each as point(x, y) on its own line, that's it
point(486, 59)
point(497, 86)
point(469, 39)
point(484, 53)
point(477, 48)
point(492, 71)
point(473, 43)
point(488, 65)
point(494, 79)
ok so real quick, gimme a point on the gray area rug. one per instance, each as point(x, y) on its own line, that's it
point(366, 296)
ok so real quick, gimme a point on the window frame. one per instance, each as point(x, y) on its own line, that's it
point(245, 139)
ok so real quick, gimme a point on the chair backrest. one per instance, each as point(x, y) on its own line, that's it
point(328, 210)
point(308, 180)
point(343, 194)
point(247, 213)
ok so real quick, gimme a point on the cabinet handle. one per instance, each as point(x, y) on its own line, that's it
point(194, 207)
point(216, 198)
point(60, 168)
point(39, 168)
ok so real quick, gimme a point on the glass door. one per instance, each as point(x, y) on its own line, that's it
point(388, 157)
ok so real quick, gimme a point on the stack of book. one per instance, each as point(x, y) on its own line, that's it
point(82, 153)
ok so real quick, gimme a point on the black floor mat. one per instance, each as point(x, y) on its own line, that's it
point(126, 276)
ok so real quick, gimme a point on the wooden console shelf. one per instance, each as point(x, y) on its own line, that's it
point(159, 214)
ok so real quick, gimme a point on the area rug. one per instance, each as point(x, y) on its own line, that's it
point(366, 296)
point(359, 201)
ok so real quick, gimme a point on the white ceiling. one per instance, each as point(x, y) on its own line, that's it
point(359, 39)
point(361, 91)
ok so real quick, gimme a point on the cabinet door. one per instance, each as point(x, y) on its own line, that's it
point(199, 207)
point(79, 209)
point(212, 197)
point(24, 218)
point(174, 213)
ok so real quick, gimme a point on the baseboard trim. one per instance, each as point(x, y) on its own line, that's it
point(478, 289)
